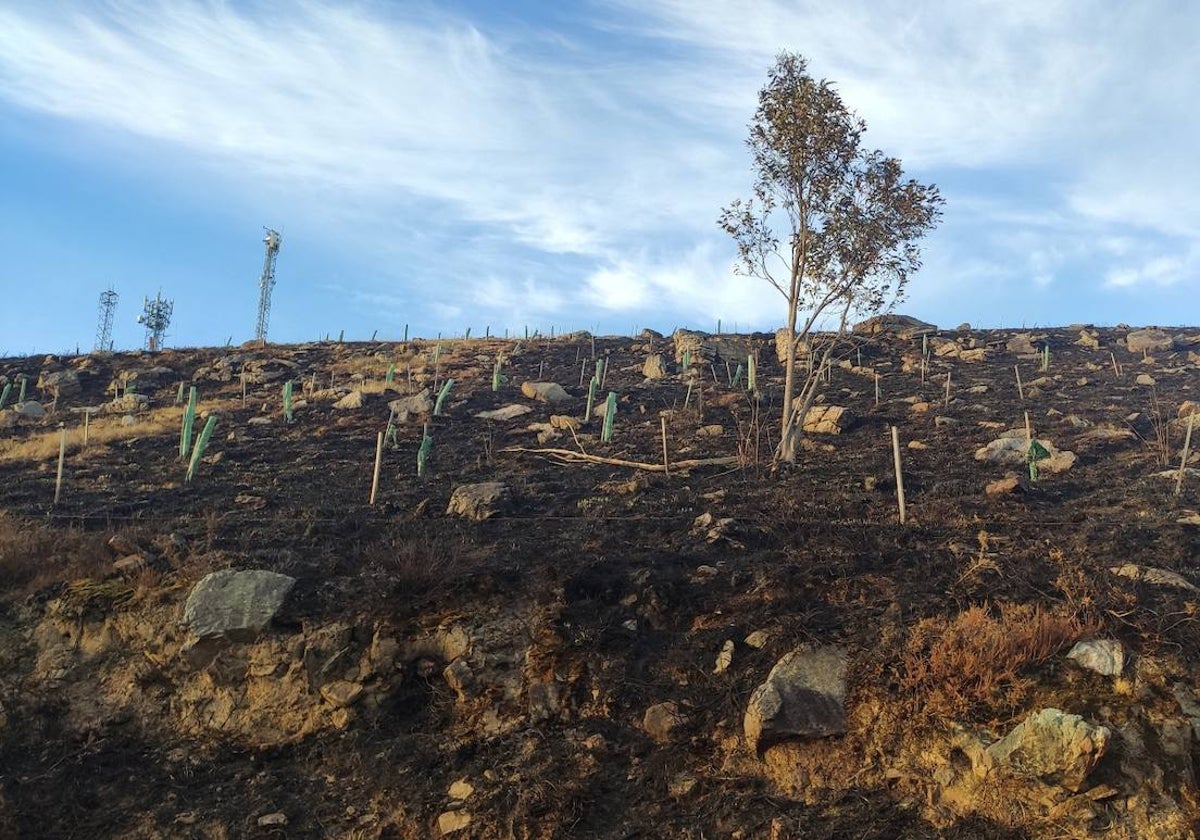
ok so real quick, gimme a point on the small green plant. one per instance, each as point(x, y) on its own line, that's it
point(1036, 453)
point(189, 419)
point(424, 451)
point(610, 411)
point(201, 445)
point(390, 436)
point(287, 401)
point(441, 397)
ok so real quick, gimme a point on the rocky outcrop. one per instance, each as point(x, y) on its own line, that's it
point(478, 501)
point(1052, 746)
point(901, 326)
point(804, 696)
point(1149, 340)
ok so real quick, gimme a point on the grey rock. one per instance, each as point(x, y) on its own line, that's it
point(478, 501)
point(508, 412)
point(804, 696)
point(655, 367)
point(903, 326)
point(1104, 656)
point(29, 410)
point(63, 384)
point(417, 405)
point(1158, 577)
point(1013, 450)
point(351, 401)
point(235, 605)
point(1148, 340)
point(661, 720)
point(1021, 344)
point(550, 392)
point(1053, 746)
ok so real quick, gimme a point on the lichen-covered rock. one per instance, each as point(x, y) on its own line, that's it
point(1013, 450)
point(417, 405)
point(235, 605)
point(1052, 746)
point(827, 419)
point(550, 392)
point(1104, 656)
point(804, 696)
point(478, 501)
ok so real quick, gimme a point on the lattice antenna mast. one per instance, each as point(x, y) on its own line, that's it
point(266, 283)
point(156, 315)
point(108, 308)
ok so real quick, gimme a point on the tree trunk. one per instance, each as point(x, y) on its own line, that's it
point(787, 437)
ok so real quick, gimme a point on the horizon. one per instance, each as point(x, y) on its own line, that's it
point(454, 166)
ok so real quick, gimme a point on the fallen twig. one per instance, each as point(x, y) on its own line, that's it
point(567, 456)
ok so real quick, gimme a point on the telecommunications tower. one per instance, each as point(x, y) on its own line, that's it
point(108, 308)
point(267, 282)
point(156, 315)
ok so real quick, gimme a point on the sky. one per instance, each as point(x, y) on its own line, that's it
point(502, 166)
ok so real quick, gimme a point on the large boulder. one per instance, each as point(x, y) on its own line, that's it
point(417, 405)
point(705, 348)
point(655, 367)
point(550, 392)
point(1149, 340)
point(902, 326)
point(804, 697)
point(235, 605)
point(61, 384)
point(1052, 746)
point(478, 501)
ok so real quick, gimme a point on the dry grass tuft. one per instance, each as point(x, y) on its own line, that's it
point(975, 664)
point(34, 555)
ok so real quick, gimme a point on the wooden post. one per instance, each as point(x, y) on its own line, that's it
point(876, 389)
point(1116, 367)
point(899, 473)
point(582, 371)
point(1028, 430)
point(86, 417)
point(1187, 445)
point(947, 389)
point(666, 464)
point(243, 389)
point(1020, 390)
point(378, 464)
point(62, 454)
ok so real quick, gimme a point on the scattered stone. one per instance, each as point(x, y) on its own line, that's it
point(1187, 408)
point(1021, 344)
point(276, 820)
point(564, 422)
point(131, 564)
point(61, 384)
point(757, 639)
point(803, 696)
point(354, 400)
point(1148, 340)
point(977, 389)
point(461, 789)
point(418, 405)
point(1145, 379)
point(550, 392)
point(478, 501)
point(714, 430)
point(827, 419)
point(342, 693)
point(235, 605)
point(452, 821)
point(724, 658)
point(916, 444)
point(655, 367)
point(681, 785)
point(460, 677)
point(1012, 450)
point(964, 327)
point(29, 410)
point(975, 354)
point(715, 530)
point(1104, 656)
point(260, 421)
point(545, 701)
point(1003, 486)
point(1053, 746)
point(1088, 340)
point(508, 412)
point(661, 720)
point(1158, 577)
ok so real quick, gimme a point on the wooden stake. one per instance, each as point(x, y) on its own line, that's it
point(1028, 429)
point(243, 389)
point(666, 463)
point(1187, 445)
point(876, 389)
point(87, 415)
point(1020, 390)
point(62, 454)
point(378, 464)
point(1116, 367)
point(947, 389)
point(899, 473)
point(582, 371)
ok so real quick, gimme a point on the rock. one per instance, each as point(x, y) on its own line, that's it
point(724, 658)
point(1187, 408)
point(452, 821)
point(1053, 746)
point(478, 501)
point(681, 785)
point(1021, 344)
point(757, 639)
point(902, 326)
point(964, 327)
point(1158, 577)
point(235, 605)
point(460, 789)
point(545, 701)
point(975, 354)
point(62, 384)
point(1104, 656)
point(460, 677)
point(1013, 450)
point(712, 430)
point(827, 419)
point(550, 392)
point(1189, 704)
point(508, 412)
point(417, 405)
point(564, 422)
point(29, 410)
point(342, 693)
point(1003, 486)
point(1145, 379)
point(1148, 340)
point(655, 367)
point(353, 400)
point(661, 720)
point(804, 696)
point(1086, 339)
point(276, 820)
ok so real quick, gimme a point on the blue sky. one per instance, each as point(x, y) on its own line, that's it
point(476, 164)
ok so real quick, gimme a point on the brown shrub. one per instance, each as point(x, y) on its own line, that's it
point(975, 665)
point(34, 555)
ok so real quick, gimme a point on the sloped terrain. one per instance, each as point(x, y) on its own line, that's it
point(581, 654)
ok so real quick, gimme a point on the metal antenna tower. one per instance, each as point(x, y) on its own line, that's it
point(266, 283)
point(108, 308)
point(156, 315)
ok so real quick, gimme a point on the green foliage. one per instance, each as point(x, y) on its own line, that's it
point(287, 401)
point(1036, 453)
point(441, 397)
point(21, 396)
point(189, 418)
point(201, 445)
point(751, 374)
point(496, 377)
point(424, 452)
point(390, 376)
point(610, 412)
